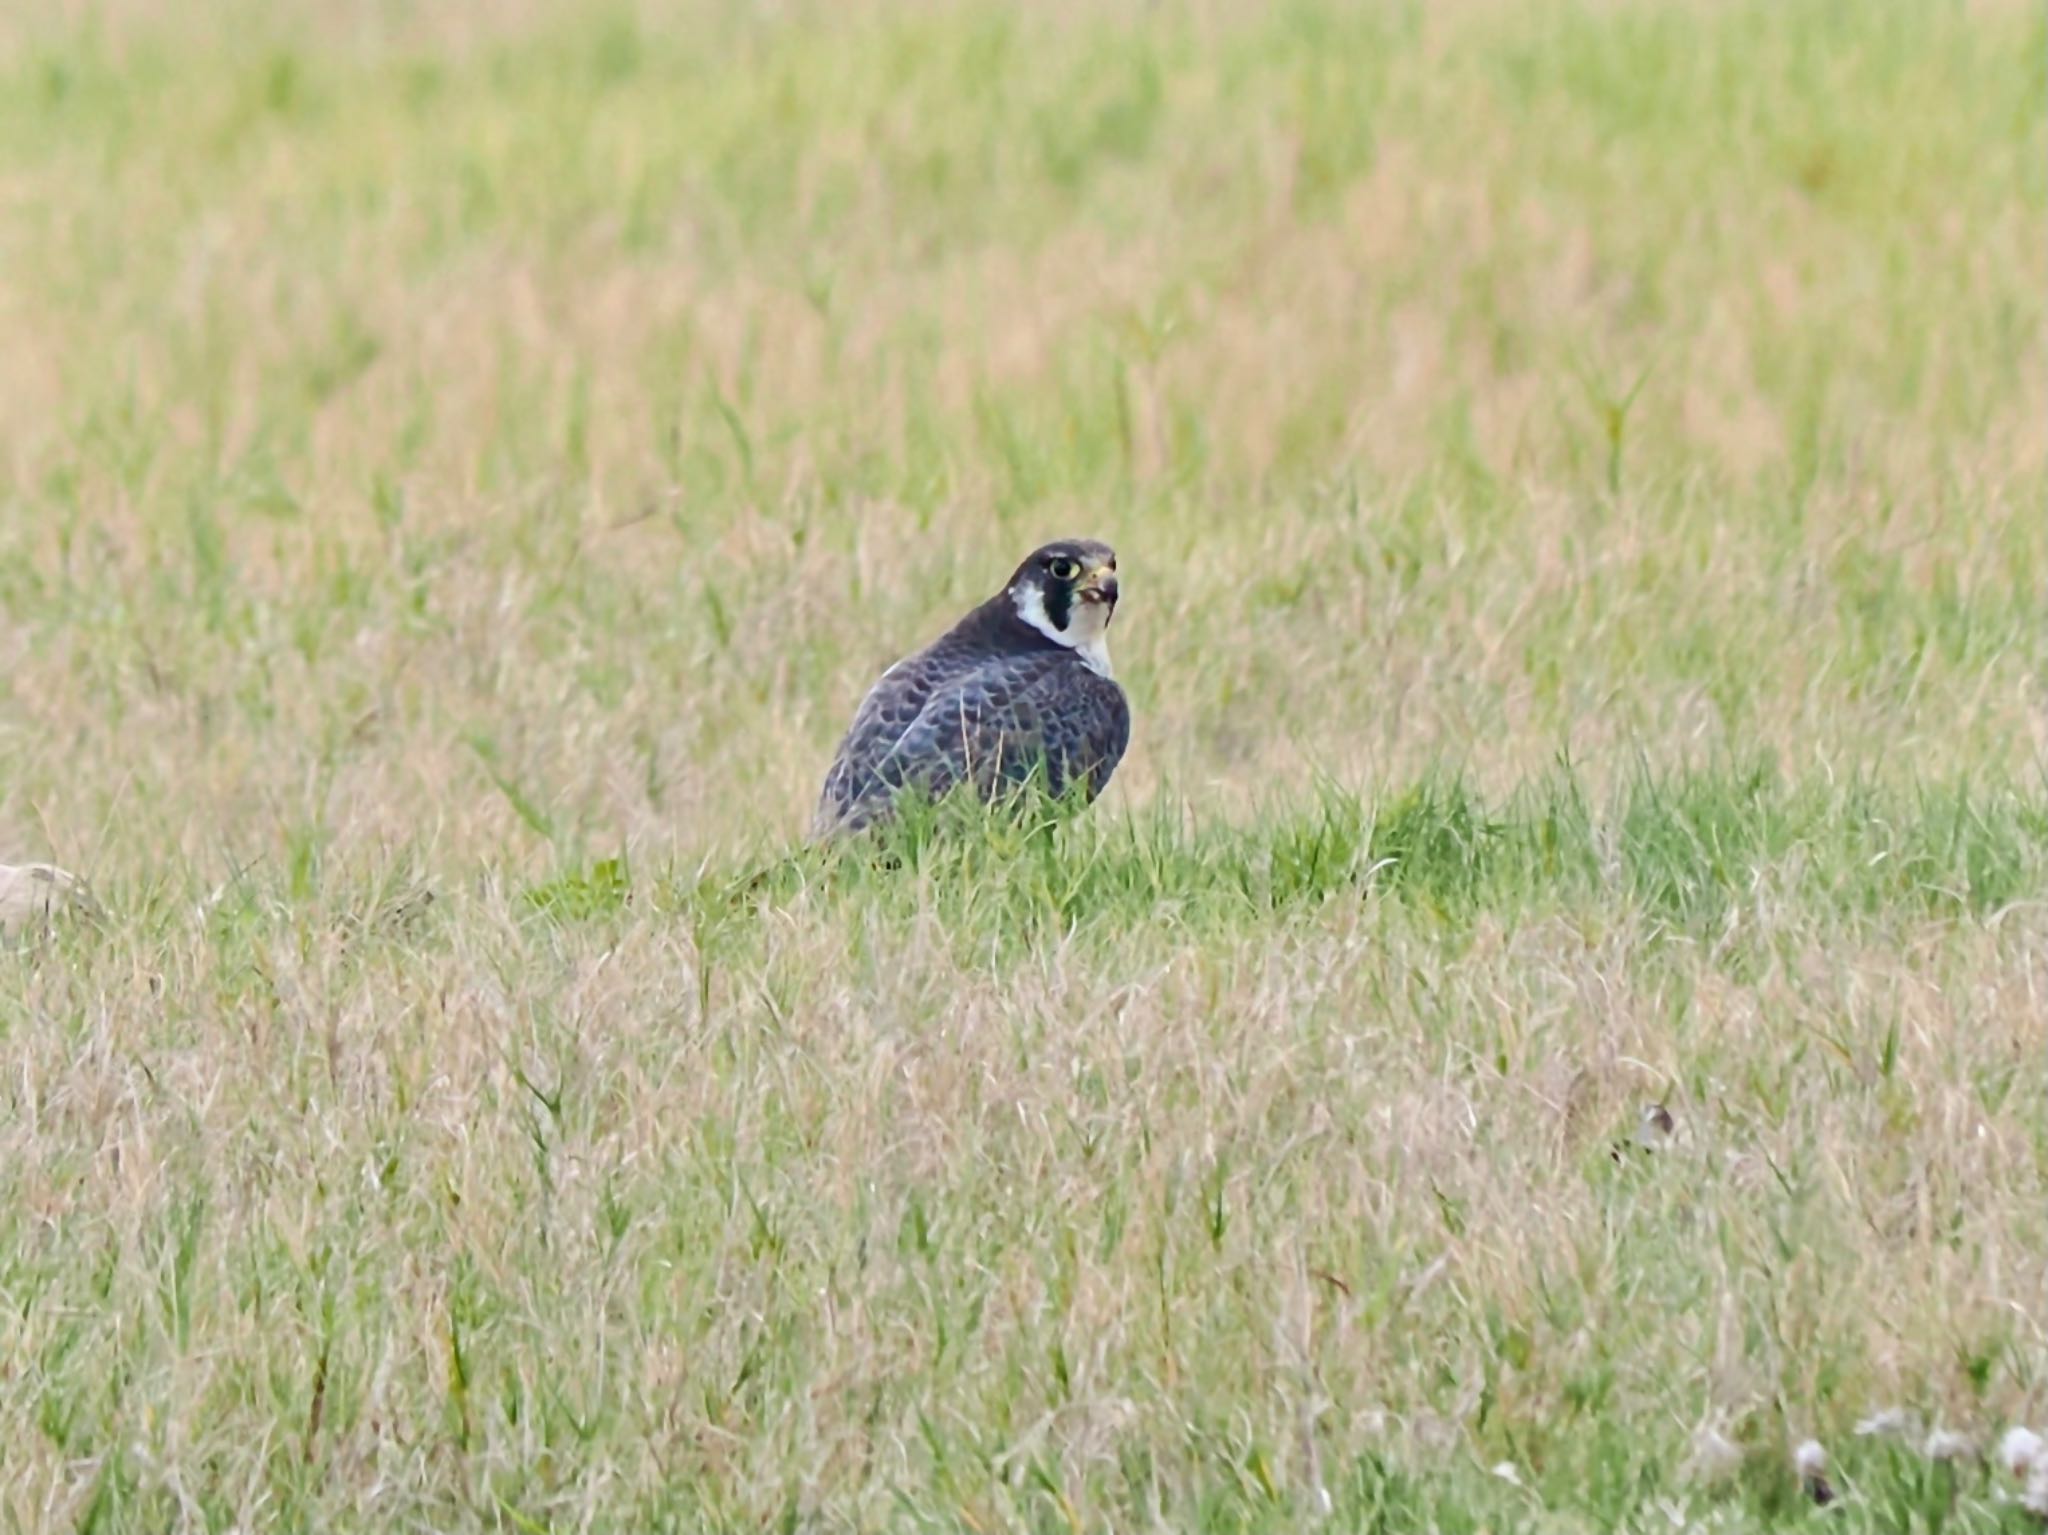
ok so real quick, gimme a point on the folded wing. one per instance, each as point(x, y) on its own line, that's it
point(993, 725)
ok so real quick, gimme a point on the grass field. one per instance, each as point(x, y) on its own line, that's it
point(1578, 471)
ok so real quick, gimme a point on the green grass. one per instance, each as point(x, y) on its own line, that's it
point(1577, 475)
point(1692, 852)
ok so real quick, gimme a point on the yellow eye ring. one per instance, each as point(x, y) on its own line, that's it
point(1060, 568)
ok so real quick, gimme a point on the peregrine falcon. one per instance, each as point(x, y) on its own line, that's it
point(1020, 685)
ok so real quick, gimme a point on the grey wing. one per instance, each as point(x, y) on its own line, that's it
point(857, 776)
point(1087, 735)
point(1001, 722)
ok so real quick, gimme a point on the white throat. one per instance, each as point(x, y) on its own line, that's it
point(1086, 634)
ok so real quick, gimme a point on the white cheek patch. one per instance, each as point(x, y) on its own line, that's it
point(1086, 634)
point(1031, 608)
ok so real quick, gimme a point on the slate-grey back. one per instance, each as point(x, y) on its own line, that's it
point(1019, 686)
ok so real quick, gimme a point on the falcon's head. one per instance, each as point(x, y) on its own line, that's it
point(1067, 592)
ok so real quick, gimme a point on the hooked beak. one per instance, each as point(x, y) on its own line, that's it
point(1100, 586)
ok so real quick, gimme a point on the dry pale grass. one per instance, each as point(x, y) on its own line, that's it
point(458, 471)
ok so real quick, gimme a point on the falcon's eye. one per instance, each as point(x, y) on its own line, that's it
point(1060, 568)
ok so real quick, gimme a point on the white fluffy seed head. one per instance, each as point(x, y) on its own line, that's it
point(2034, 1496)
point(1885, 1421)
point(2021, 1450)
point(1947, 1444)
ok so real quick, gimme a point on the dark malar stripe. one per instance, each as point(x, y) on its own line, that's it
point(1059, 603)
